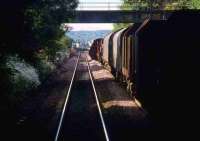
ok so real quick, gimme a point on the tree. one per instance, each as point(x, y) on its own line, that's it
point(156, 5)
point(29, 27)
point(160, 4)
point(131, 5)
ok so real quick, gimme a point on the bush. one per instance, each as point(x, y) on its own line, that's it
point(24, 78)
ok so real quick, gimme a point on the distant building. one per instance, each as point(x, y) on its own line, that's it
point(89, 43)
point(75, 44)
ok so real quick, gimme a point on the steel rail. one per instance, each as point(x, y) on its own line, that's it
point(98, 105)
point(66, 101)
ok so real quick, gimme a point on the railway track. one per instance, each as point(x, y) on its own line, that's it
point(81, 117)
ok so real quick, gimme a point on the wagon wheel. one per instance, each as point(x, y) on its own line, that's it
point(130, 87)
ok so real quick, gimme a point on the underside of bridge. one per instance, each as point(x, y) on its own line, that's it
point(118, 16)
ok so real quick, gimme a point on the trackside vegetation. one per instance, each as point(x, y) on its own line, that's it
point(32, 43)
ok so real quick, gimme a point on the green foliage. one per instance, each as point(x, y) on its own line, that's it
point(17, 77)
point(31, 29)
point(160, 4)
point(194, 4)
point(28, 26)
point(134, 5)
point(44, 67)
point(156, 5)
point(24, 75)
point(120, 26)
point(6, 75)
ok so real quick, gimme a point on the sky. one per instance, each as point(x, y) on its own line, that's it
point(90, 26)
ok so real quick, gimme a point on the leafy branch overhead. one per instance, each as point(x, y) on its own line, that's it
point(27, 26)
point(160, 4)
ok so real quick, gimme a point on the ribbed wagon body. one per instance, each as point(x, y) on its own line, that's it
point(105, 50)
point(128, 56)
point(117, 50)
point(168, 65)
point(96, 49)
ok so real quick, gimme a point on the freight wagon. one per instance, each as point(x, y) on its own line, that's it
point(159, 61)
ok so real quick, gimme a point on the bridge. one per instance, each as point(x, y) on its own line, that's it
point(118, 16)
point(110, 12)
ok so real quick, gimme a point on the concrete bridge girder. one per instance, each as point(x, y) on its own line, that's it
point(117, 16)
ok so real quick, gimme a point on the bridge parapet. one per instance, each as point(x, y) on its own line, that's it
point(99, 6)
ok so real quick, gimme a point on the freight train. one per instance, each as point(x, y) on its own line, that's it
point(159, 61)
point(117, 53)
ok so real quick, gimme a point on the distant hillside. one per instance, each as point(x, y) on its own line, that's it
point(85, 36)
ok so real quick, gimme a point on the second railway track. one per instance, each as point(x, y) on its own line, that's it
point(81, 117)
